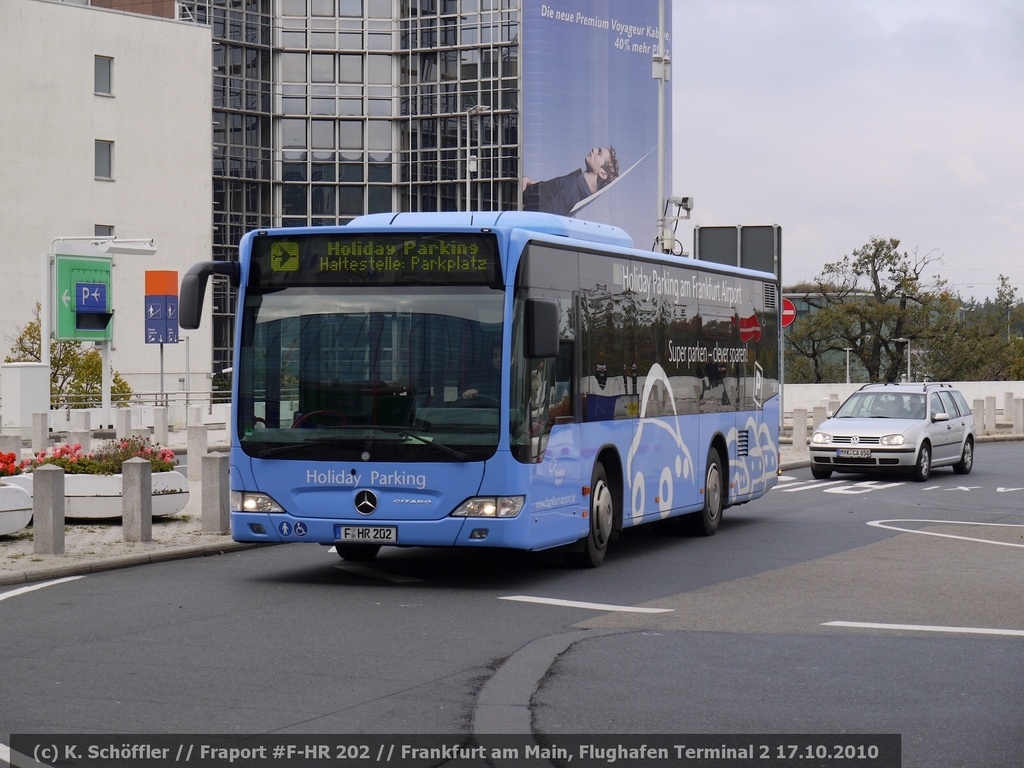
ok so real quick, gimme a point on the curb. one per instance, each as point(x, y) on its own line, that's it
point(84, 567)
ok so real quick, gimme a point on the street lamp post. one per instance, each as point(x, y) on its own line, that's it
point(471, 159)
point(847, 350)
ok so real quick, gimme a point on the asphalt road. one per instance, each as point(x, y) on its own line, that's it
point(808, 612)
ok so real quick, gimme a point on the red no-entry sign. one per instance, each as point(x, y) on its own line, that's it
point(788, 312)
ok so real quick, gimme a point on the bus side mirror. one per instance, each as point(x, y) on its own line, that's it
point(193, 289)
point(541, 328)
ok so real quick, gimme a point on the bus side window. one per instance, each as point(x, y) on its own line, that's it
point(562, 411)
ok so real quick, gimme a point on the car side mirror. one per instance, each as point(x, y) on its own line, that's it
point(940, 416)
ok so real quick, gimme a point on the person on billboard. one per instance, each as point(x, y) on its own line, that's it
point(564, 194)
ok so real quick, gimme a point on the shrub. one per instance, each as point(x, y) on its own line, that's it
point(107, 459)
point(9, 465)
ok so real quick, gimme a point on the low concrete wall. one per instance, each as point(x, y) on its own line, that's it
point(810, 395)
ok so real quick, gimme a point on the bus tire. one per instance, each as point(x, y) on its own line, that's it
point(357, 552)
point(705, 522)
point(602, 521)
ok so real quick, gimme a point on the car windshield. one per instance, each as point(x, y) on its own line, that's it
point(883, 405)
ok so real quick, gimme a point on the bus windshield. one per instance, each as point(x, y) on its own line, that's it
point(360, 373)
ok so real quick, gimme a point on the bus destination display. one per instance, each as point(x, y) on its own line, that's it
point(375, 259)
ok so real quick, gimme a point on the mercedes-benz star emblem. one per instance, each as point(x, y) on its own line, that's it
point(366, 502)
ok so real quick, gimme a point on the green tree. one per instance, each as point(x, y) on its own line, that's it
point(978, 347)
point(76, 373)
point(865, 301)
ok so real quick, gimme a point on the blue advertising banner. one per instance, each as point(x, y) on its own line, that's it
point(589, 113)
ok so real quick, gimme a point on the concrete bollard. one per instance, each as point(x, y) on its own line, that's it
point(195, 447)
point(80, 420)
point(40, 432)
point(800, 430)
point(1008, 407)
point(1018, 416)
point(48, 510)
point(160, 430)
point(818, 416)
point(122, 423)
point(11, 444)
point(137, 499)
point(978, 409)
point(215, 491)
point(82, 437)
point(990, 415)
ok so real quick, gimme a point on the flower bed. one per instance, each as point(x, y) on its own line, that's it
point(106, 460)
point(93, 482)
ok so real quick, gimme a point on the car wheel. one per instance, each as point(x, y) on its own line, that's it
point(821, 474)
point(966, 463)
point(602, 522)
point(923, 468)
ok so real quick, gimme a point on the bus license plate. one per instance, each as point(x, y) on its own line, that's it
point(368, 534)
point(854, 453)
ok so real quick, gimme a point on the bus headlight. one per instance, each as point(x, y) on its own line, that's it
point(253, 502)
point(490, 506)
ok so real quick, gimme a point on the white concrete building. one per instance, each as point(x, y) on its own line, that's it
point(105, 130)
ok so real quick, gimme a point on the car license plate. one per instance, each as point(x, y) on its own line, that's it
point(854, 453)
point(368, 534)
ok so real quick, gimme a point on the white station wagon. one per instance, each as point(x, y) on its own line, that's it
point(896, 428)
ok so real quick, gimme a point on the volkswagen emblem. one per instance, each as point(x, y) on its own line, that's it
point(855, 439)
point(366, 502)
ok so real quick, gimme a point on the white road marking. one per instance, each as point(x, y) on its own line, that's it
point(811, 485)
point(926, 628)
point(34, 587)
point(590, 606)
point(5, 751)
point(884, 524)
point(863, 487)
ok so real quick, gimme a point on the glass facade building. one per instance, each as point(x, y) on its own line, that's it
point(324, 110)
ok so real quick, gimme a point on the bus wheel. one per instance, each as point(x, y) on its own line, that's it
point(705, 522)
point(602, 521)
point(357, 552)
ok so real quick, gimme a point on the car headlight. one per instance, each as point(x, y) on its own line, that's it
point(253, 502)
point(820, 438)
point(892, 440)
point(490, 506)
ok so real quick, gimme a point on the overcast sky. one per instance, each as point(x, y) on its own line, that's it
point(841, 120)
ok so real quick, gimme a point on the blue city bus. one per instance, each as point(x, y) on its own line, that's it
point(500, 379)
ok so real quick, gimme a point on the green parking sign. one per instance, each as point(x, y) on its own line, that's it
point(83, 298)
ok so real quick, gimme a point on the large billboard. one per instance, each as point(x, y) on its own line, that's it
point(589, 111)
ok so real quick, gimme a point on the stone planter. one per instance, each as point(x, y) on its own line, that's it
point(15, 507)
point(98, 497)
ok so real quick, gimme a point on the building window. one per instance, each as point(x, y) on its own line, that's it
point(103, 230)
point(104, 76)
point(104, 159)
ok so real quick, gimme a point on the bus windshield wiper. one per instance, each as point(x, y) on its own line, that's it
point(404, 434)
point(303, 444)
point(363, 437)
point(454, 453)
